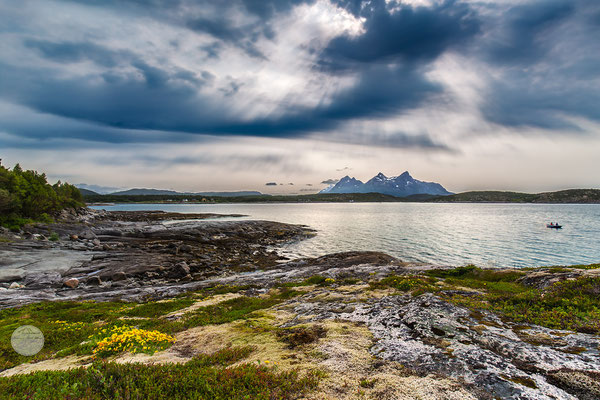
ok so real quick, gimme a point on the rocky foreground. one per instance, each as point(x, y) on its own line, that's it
point(375, 326)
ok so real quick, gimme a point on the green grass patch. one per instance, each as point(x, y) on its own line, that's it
point(571, 305)
point(406, 283)
point(204, 377)
point(155, 309)
point(64, 325)
point(318, 280)
point(582, 266)
point(235, 309)
point(76, 327)
point(475, 273)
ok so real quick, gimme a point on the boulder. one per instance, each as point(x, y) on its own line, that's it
point(15, 285)
point(180, 270)
point(185, 248)
point(94, 281)
point(119, 276)
point(73, 237)
point(42, 280)
point(87, 234)
point(72, 283)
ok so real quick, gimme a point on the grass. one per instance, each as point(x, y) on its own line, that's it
point(78, 327)
point(67, 326)
point(204, 377)
point(413, 284)
point(156, 309)
point(234, 309)
point(64, 325)
point(584, 266)
point(571, 305)
point(318, 280)
point(474, 273)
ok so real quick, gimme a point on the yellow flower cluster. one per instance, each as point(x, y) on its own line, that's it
point(329, 280)
point(69, 326)
point(126, 338)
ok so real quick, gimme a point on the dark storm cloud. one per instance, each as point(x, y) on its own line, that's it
point(522, 38)
point(330, 181)
point(549, 65)
point(380, 91)
point(243, 37)
point(396, 140)
point(70, 52)
point(271, 184)
point(545, 61)
point(405, 34)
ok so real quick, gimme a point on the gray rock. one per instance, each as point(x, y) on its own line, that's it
point(87, 235)
point(119, 276)
point(432, 336)
point(94, 281)
point(42, 280)
point(185, 248)
point(180, 270)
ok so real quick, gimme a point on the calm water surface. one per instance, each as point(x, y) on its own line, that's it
point(496, 235)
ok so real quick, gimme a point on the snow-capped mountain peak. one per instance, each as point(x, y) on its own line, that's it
point(401, 186)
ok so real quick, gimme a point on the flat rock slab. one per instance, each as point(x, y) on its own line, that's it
point(16, 264)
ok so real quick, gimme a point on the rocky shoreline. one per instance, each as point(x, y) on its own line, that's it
point(386, 329)
point(99, 255)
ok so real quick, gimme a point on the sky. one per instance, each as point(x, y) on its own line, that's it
point(288, 96)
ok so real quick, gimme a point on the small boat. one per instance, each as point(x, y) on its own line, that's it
point(557, 226)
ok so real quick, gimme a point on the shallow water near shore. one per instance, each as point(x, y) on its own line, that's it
point(489, 235)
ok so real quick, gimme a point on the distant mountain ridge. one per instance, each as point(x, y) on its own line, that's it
point(402, 185)
point(160, 192)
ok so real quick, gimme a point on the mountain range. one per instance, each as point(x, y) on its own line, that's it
point(160, 192)
point(402, 185)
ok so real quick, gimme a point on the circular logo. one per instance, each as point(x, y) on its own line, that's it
point(27, 340)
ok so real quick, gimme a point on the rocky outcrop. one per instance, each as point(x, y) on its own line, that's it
point(127, 254)
point(492, 358)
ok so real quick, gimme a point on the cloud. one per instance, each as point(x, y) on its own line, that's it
point(71, 52)
point(177, 71)
point(546, 70)
point(271, 184)
point(330, 181)
point(404, 34)
point(522, 36)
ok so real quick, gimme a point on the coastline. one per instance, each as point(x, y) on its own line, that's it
point(372, 323)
